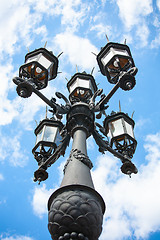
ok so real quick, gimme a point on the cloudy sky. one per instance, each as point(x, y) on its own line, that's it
point(78, 27)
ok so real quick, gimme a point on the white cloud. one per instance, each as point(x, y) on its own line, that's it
point(18, 23)
point(40, 200)
point(156, 22)
point(158, 4)
point(7, 109)
point(72, 12)
point(90, 143)
point(77, 50)
point(156, 42)
point(132, 204)
point(28, 107)
point(15, 237)
point(1, 177)
point(41, 194)
point(10, 150)
point(101, 30)
point(132, 12)
point(143, 34)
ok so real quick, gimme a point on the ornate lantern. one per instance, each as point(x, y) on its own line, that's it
point(119, 128)
point(114, 58)
point(41, 66)
point(47, 138)
point(81, 87)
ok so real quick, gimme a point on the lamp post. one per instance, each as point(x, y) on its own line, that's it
point(76, 209)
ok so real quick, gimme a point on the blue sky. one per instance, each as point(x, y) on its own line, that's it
point(77, 28)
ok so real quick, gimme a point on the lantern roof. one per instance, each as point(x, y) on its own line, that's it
point(49, 54)
point(115, 116)
point(84, 76)
point(48, 122)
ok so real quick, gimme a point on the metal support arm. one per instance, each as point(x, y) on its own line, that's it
point(100, 105)
point(56, 107)
point(104, 146)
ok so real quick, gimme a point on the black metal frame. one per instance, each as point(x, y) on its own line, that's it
point(103, 68)
point(123, 143)
point(46, 122)
point(36, 78)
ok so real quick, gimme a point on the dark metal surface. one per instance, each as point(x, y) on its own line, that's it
point(75, 209)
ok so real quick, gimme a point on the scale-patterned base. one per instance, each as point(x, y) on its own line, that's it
point(75, 214)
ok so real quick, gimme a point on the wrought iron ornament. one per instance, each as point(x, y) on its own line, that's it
point(79, 156)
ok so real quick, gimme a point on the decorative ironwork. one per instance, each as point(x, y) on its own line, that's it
point(79, 156)
point(75, 209)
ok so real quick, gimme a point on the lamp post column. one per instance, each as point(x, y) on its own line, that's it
point(77, 168)
point(76, 209)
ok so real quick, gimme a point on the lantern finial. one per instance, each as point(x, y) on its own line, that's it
point(76, 68)
point(59, 54)
point(107, 38)
point(45, 44)
point(46, 113)
point(94, 54)
point(92, 70)
point(119, 106)
point(132, 114)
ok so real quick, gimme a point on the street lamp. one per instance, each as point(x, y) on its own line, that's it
point(76, 209)
point(40, 65)
point(81, 87)
point(115, 59)
point(48, 138)
point(119, 126)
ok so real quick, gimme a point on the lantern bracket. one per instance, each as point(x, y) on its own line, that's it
point(104, 146)
point(93, 98)
point(101, 104)
point(52, 103)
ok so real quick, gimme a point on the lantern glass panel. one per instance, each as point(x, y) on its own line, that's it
point(41, 59)
point(34, 58)
point(81, 83)
point(58, 138)
point(129, 129)
point(49, 134)
point(116, 127)
point(44, 62)
point(39, 136)
point(111, 53)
